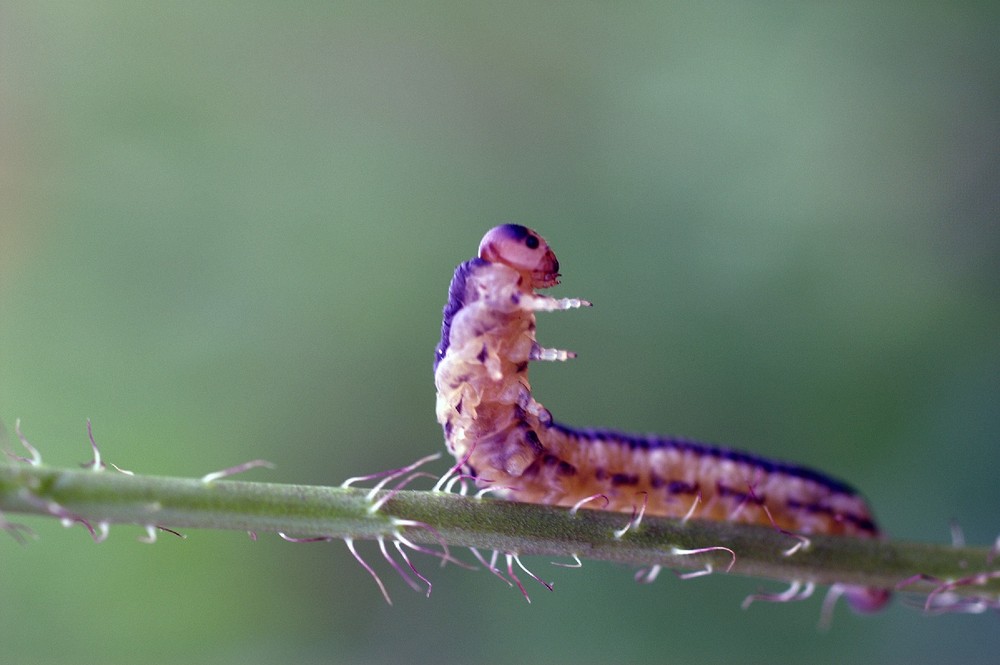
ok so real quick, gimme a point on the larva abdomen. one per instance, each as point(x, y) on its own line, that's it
point(679, 478)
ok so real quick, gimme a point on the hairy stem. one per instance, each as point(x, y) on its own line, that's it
point(108, 497)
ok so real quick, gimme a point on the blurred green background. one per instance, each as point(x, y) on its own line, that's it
point(227, 230)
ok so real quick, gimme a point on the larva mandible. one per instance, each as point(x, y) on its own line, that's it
point(509, 442)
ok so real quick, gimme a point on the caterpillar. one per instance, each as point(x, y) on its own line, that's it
point(505, 439)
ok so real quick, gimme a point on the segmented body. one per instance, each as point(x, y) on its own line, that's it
point(509, 442)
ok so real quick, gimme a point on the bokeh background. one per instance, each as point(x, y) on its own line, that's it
point(227, 230)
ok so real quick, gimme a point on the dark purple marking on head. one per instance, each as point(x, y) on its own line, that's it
point(481, 356)
point(515, 232)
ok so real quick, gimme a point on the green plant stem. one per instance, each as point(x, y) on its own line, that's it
point(301, 510)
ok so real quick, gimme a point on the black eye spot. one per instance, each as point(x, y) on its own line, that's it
point(531, 242)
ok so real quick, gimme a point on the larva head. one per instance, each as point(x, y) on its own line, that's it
point(522, 249)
